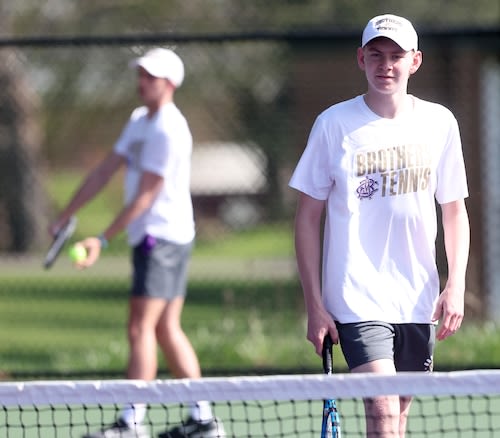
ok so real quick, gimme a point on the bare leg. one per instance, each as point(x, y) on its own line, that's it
point(404, 410)
point(385, 416)
point(143, 319)
point(144, 314)
point(381, 417)
point(176, 347)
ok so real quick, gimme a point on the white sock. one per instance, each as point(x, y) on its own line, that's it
point(134, 414)
point(201, 411)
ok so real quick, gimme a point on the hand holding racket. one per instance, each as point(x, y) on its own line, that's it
point(330, 427)
point(61, 237)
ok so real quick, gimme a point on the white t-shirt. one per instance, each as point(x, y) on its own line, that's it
point(380, 178)
point(161, 145)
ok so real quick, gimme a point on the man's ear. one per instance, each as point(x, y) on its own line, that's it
point(360, 54)
point(417, 61)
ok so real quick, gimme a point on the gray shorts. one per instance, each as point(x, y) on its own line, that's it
point(160, 268)
point(410, 346)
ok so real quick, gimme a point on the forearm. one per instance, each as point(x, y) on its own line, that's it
point(450, 305)
point(457, 242)
point(124, 217)
point(308, 251)
point(92, 185)
point(149, 187)
point(308, 263)
point(94, 245)
point(89, 188)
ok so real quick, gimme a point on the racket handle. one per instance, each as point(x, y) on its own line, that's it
point(328, 354)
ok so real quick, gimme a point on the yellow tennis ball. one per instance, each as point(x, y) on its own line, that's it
point(77, 253)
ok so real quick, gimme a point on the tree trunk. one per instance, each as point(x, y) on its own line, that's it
point(21, 195)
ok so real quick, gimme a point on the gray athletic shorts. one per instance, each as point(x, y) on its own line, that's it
point(410, 346)
point(160, 268)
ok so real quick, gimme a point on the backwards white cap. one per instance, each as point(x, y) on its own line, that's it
point(398, 29)
point(162, 63)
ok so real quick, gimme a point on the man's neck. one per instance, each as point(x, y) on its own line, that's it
point(389, 106)
point(156, 106)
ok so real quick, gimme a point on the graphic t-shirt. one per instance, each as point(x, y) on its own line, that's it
point(381, 178)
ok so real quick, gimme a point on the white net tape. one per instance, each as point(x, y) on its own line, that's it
point(287, 387)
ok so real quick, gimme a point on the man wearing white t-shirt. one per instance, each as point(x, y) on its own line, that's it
point(377, 163)
point(155, 146)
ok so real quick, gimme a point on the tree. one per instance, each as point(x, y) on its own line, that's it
point(21, 198)
point(22, 201)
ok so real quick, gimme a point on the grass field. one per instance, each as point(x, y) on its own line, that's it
point(73, 324)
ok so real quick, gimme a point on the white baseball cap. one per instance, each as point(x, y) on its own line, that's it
point(162, 63)
point(398, 29)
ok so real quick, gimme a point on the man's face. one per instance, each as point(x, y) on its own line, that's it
point(150, 88)
point(387, 66)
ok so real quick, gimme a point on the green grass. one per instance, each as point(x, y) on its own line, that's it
point(267, 241)
point(66, 326)
point(77, 325)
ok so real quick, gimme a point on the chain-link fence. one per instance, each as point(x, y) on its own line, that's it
point(250, 101)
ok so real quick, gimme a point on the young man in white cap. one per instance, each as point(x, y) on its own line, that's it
point(377, 163)
point(155, 147)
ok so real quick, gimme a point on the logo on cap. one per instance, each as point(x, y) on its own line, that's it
point(398, 29)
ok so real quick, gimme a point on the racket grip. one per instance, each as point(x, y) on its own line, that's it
point(328, 354)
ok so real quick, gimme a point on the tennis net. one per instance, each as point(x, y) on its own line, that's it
point(446, 404)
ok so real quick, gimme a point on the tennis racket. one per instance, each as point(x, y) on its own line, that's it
point(60, 239)
point(330, 427)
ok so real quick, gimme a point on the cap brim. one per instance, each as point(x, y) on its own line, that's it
point(146, 65)
point(405, 47)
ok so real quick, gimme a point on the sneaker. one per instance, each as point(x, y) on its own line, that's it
point(196, 429)
point(120, 429)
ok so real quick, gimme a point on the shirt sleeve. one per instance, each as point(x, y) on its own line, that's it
point(156, 153)
point(122, 145)
point(451, 174)
point(312, 175)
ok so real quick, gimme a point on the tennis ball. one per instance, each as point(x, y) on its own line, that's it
point(77, 253)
